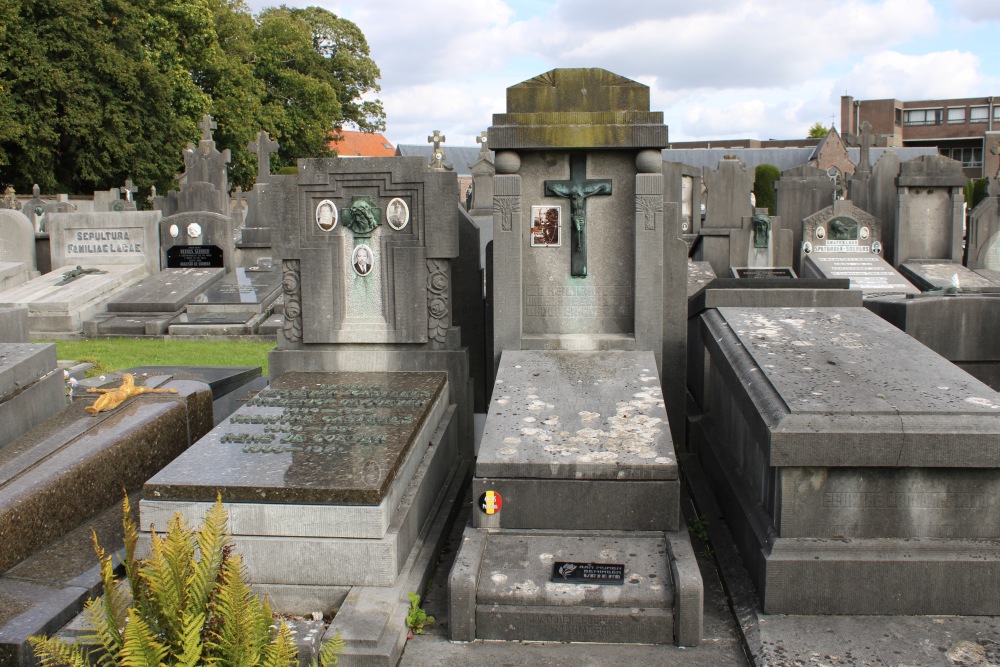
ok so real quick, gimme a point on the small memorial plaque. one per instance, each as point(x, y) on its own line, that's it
point(606, 574)
point(195, 257)
point(756, 274)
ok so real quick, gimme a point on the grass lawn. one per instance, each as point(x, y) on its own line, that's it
point(113, 354)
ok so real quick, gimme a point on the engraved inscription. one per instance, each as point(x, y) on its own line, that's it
point(577, 301)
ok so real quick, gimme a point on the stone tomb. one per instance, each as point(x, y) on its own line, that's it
point(857, 468)
point(31, 387)
point(576, 465)
point(235, 305)
point(17, 249)
point(148, 308)
point(61, 302)
point(984, 236)
point(843, 241)
point(330, 480)
point(930, 217)
point(197, 239)
point(939, 274)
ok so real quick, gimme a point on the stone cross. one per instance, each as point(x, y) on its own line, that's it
point(484, 150)
point(207, 125)
point(437, 158)
point(867, 140)
point(128, 189)
point(578, 189)
point(263, 146)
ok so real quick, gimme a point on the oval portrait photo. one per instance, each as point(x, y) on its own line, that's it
point(363, 259)
point(326, 215)
point(397, 213)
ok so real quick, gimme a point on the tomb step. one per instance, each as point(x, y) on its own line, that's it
point(506, 585)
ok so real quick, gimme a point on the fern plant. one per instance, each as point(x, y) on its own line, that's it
point(187, 603)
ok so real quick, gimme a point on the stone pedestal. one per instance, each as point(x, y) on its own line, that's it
point(576, 466)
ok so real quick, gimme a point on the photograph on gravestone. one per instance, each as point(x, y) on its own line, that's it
point(327, 215)
point(546, 226)
point(397, 214)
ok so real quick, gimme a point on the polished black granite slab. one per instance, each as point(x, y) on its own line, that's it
point(309, 438)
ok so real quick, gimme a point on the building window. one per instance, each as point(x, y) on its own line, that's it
point(979, 114)
point(969, 157)
point(899, 116)
point(922, 117)
point(996, 113)
point(956, 114)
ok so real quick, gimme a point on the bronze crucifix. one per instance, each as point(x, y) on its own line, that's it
point(578, 189)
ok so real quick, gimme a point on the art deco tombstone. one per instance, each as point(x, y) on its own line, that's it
point(930, 218)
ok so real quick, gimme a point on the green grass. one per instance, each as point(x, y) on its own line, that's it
point(114, 354)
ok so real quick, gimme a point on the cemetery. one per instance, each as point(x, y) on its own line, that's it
point(599, 397)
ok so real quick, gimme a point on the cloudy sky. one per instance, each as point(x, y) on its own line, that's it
point(716, 68)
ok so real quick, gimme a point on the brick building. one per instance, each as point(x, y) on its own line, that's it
point(967, 130)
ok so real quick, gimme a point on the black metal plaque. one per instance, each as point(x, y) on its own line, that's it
point(779, 272)
point(607, 574)
point(195, 257)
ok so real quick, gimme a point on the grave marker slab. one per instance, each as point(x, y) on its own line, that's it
point(17, 240)
point(31, 387)
point(126, 238)
point(198, 239)
point(929, 274)
point(930, 217)
point(166, 292)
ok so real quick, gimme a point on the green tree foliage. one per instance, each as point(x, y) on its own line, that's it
point(96, 91)
point(818, 131)
point(188, 603)
point(976, 190)
point(763, 186)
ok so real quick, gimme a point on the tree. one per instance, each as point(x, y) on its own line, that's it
point(818, 131)
point(763, 186)
point(96, 91)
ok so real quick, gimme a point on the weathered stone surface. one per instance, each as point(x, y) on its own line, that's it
point(930, 216)
point(17, 239)
point(12, 274)
point(828, 427)
point(310, 438)
point(984, 235)
point(241, 291)
point(88, 239)
point(13, 325)
point(563, 415)
point(167, 291)
point(868, 273)
point(74, 465)
point(930, 274)
point(31, 388)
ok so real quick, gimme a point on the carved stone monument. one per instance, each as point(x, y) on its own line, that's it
point(589, 303)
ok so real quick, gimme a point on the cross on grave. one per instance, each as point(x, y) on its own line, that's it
point(207, 125)
point(128, 189)
point(482, 140)
point(263, 146)
point(578, 189)
point(867, 140)
point(437, 159)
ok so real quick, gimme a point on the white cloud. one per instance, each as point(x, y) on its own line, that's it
point(978, 10)
point(887, 74)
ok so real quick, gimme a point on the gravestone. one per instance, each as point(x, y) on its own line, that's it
point(205, 182)
point(984, 235)
point(37, 210)
point(254, 233)
point(483, 171)
point(17, 249)
point(859, 183)
point(801, 192)
point(942, 275)
point(844, 451)
point(197, 239)
point(148, 308)
point(727, 209)
point(127, 237)
point(588, 289)
point(843, 241)
point(14, 325)
point(930, 218)
point(356, 452)
point(762, 248)
point(883, 200)
point(235, 305)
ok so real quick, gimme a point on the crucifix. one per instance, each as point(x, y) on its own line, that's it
point(207, 125)
point(263, 146)
point(128, 189)
point(578, 189)
point(437, 156)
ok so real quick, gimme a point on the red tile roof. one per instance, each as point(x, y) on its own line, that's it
point(348, 143)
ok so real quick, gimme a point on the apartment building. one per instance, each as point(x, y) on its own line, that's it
point(966, 129)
